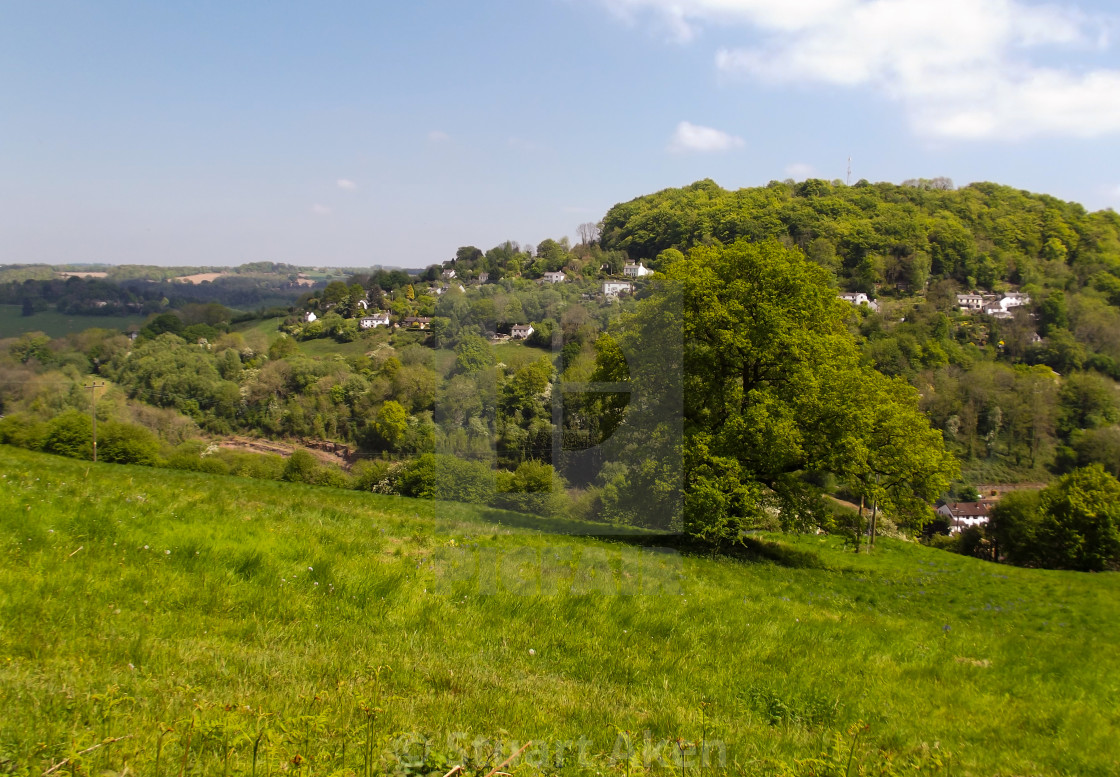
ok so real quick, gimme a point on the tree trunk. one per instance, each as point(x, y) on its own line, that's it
point(859, 524)
point(873, 527)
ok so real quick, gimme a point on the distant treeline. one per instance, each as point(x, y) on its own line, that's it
point(98, 296)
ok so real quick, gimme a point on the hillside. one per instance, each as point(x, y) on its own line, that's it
point(210, 618)
point(987, 382)
point(774, 394)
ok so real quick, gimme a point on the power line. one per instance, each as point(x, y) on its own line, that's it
point(93, 413)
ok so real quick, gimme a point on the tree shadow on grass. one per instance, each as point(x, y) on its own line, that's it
point(747, 548)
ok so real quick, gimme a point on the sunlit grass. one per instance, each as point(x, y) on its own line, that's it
point(204, 616)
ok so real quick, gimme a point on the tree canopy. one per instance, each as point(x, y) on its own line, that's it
point(774, 390)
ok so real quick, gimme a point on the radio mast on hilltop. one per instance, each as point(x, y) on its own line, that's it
point(848, 180)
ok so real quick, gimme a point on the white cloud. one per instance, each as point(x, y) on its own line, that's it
point(346, 183)
point(320, 210)
point(438, 136)
point(967, 69)
point(692, 137)
point(799, 171)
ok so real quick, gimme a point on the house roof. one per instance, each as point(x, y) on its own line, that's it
point(968, 509)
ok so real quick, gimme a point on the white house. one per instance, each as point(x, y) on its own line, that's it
point(309, 316)
point(521, 331)
point(614, 288)
point(483, 277)
point(963, 515)
point(554, 277)
point(638, 270)
point(1002, 308)
point(970, 302)
point(374, 321)
point(448, 273)
point(859, 298)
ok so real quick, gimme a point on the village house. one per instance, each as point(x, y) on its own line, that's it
point(374, 321)
point(638, 270)
point(554, 277)
point(483, 277)
point(1003, 308)
point(417, 322)
point(614, 288)
point(970, 302)
point(962, 515)
point(448, 274)
point(309, 316)
point(859, 298)
point(521, 331)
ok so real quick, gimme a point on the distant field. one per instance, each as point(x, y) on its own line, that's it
point(13, 323)
point(227, 626)
point(201, 277)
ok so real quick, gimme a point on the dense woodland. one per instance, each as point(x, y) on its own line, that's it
point(785, 393)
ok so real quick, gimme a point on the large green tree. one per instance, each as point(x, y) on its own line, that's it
point(774, 391)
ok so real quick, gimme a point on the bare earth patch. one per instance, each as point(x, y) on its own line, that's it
point(200, 277)
point(325, 451)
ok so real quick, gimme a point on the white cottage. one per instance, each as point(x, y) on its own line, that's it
point(638, 270)
point(614, 288)
point(963, 515)
point(374, 321)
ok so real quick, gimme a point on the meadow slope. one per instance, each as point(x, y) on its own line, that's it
point(234, 626)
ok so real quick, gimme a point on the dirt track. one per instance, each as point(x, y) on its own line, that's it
point(324, 450)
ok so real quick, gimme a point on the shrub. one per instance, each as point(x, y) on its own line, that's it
point(531, 488)
point(70, 434)
point(301, 467)
point(331, 477)
point(127, 444)
point(944, 542)
point(417, 479)
point(262, 466)
point(186, 455)
point(432, 476)
point(368, 474)
point(23, 430)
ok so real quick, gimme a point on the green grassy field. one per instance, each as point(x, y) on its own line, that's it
point(55, 324)
point(227, 626)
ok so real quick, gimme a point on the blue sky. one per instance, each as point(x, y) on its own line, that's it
point(362, 133)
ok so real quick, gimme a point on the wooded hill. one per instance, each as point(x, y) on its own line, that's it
point(876, 236)
point(916, 245)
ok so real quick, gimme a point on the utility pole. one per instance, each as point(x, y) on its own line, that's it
point(93, 413)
